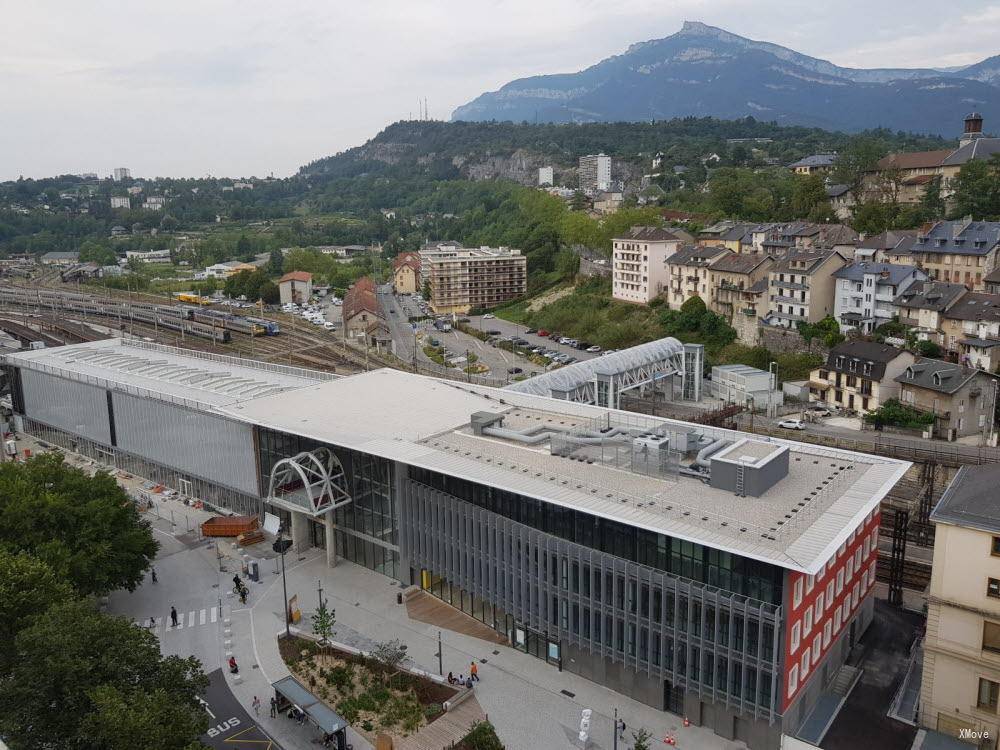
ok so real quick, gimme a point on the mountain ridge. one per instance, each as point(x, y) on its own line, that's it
point(703, 70)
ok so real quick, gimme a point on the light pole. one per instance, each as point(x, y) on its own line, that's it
point(280, 547)
point(772, 368)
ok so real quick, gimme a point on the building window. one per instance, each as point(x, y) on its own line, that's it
point(807, 621)
point(840, 581)
point(796, 631)
point(995, 549)
point(793, 680)
point(818, 609)
point(827, 632)
point(993, 588)
point(989, 692)
point(837, 620)
point(797, 593)
point(804, 664)
point(817, 648)
point(991, 636)
point(829, 594)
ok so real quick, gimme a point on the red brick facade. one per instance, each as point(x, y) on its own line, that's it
point(820, 607)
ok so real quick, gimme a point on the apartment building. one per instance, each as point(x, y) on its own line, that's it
point(802, 287)
point(595, 173)
point(960, 686)
point(639, 263)
point(866, 291)
point(545, 176)
point(891, 246)
point(406, 273)
point(971, 329)
point(730, 277)
point(923, 305)
point(859, 375)
point(961, 251)
point(121, 201)
point(960, 398)
point(295, 287)
point(464, 279)
point(688, 274)
point(121, 173)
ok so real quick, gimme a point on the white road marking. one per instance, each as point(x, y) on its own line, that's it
point(190, 619)
point(204, 614)
point(214, 614)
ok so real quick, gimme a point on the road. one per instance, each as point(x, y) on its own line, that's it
point(508, 328)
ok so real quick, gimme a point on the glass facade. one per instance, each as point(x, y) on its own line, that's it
point(366, 529)
point(741, 575)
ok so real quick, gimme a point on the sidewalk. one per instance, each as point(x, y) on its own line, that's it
point(531, 703)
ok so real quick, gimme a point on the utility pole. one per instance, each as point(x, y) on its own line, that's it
point(614, 732)
point(440, 656)
point(319, 586)
point(284, 584)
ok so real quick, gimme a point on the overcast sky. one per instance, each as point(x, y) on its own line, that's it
point(246, 88)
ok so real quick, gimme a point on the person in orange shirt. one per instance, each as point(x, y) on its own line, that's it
point(474, 672)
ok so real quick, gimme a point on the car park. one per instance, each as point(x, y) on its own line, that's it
point(792, 424)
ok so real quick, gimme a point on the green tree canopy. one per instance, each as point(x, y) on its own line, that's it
point(977, 189)
point(28, 587)
point(80, 675)
point(93, 252)
point(85, 528)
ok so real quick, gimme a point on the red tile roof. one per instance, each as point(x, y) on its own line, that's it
point(360, 297)
point(410, 259)
point(296, 276)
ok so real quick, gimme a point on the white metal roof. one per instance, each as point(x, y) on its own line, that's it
point(570, 377)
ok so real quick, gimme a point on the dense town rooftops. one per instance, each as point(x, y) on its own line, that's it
point(976, 307)
point(979, 148)
point(696, 256)
point(739, 263)
point(648, 234)
point(971, 499)
point(815, 160)
point(914, 160)
point(804, 262)
point(959, 237)
point(887, 273)
point(851, 357)
point(887, 240)
point(797, 523)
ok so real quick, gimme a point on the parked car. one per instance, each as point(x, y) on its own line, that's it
point(555, 336)
point(609, 351)
point(514, 370)
point(792, 424)
point(593, 349)
point(542, 332)
point(819, 411)
point(493, 332)
point(531, 330)
point(537, 350)
point(569, 360)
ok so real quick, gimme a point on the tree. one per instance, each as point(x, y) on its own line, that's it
point(275, 262)
point(323, 620)
point(244, 248)
point(80, 675)
point(390, 654)
point(578, 202)
point(641, 740)
point(85, 528)
point(808, 193)
point(977, 189)
point(932, 204)
point(168, 223)
point(93, 252)
point(859, 157)
point(28, 587)
point(927, 349)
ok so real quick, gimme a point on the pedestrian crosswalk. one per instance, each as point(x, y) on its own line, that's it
point(194, 618)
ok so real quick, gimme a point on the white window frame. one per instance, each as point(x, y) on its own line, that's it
point(819, 606)
point(817, 648)
point(827, 633)
point(840, 581)
point(796, 636)
point(810, 582)
point(793, 680)
point(849, 569)
point(838, 620)
point(797, 593)
point(829, 594)
point(804, 663)
point(807, 622)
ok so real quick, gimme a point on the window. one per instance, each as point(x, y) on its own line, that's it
point(818, 609)
point(857, 558)
point(991, 636)
point(995, 549)
point(827, 632)
point(797, 593)
point(993, 587)
point(804, 664)
point(855, 593)
point(837, 620)
point(807, 621)
point(849, 573)
point(989, 691)
point(810, 582)
point(829, 594)
point(796, 632)
point(840, 581)
point(793, 680)
point(817, 648)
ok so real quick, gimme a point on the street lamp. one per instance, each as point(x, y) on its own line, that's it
point(280, 546)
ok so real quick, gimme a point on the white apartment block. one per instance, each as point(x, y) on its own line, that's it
point(864, 294)
point(464, 279)
point(122, 173)
point(595, 173)
point(545, 176)
point(120, 201)
point(639, 263)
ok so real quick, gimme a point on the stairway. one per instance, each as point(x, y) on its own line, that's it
point(845, 678)
point(740, 471)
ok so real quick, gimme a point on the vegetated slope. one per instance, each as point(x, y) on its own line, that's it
point(705, 71)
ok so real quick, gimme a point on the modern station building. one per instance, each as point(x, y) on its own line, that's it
point(714, 574)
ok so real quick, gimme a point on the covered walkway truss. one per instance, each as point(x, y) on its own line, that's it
point(311, 482)
point(602, 380)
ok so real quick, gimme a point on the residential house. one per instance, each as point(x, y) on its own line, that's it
point(971, 329)
point(802, 287)
point(651, 194)
point(688, 274)
point(406, 273)
point(295, 287)
point(712, 234)
point(729, 277)
point(121, 201)
point(904, 177)
point(154, 203)
point(859, 375)
point(961, 251)
point(991, 281)
point(639, 263)
point(960, 680)
point(887, 247)
point(961, 398)
point(227, 269)
point(865, 293)
point(608, 202)
point(814, 164)
point(361, 312)
point(841, 199)
point(922, 306)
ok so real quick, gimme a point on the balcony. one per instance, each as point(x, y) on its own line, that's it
point(750, 312)
point(784, 298)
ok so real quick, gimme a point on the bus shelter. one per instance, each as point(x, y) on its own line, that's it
point(292, 694)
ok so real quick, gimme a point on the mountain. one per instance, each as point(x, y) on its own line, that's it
point(705, 71)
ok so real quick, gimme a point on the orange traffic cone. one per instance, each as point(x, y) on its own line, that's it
point(686, 722)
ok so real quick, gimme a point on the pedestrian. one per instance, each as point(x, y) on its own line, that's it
point(621, 728)
point(302, 716)
point(173, 617)
point(451, 679)
point(468, 682)
point(474, 672)
point(233, 667)
point(256, 706)
point(274, 708)
point(461, 679)
point(153, 574)
point(152, 623)
point(243, 596)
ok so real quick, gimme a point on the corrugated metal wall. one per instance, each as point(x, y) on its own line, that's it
point(213, 448)
point(66, 404)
